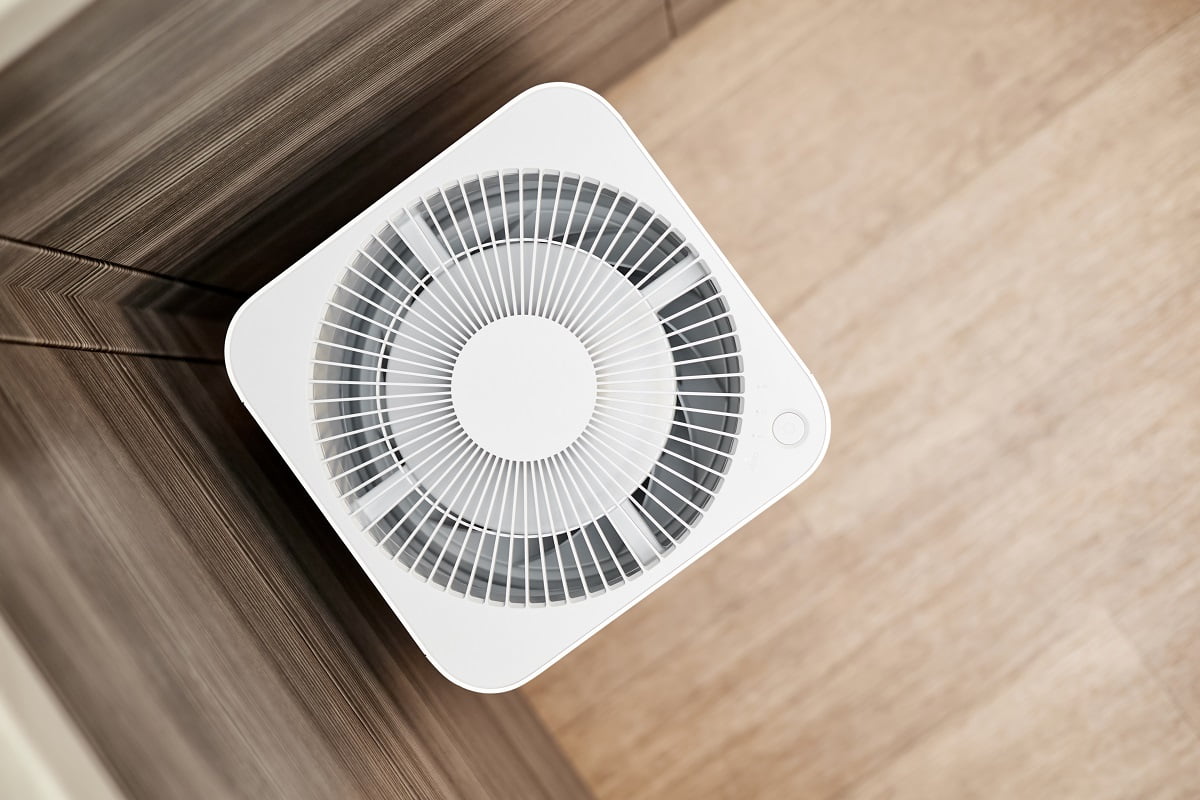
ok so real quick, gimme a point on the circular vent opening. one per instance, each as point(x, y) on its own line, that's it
point(527, 387)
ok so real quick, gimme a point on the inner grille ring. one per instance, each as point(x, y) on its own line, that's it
point(494, 514)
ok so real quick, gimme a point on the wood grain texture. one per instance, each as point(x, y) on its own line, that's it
point(978, 224)
point(43, 755)
point(205, 627)
point(221, 140)
point(1104, 727)
point(684, 14)
point(53, 298)
point(862, 116)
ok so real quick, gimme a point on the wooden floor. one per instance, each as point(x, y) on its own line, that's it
point(979, 224)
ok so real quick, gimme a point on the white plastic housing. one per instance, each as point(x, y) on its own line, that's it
point(490, 647)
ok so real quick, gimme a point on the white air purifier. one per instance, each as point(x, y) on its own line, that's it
point(526, 388)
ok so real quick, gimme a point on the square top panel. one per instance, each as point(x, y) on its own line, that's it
point(526, 388)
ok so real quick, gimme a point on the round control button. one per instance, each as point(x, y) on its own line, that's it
point(789, 428)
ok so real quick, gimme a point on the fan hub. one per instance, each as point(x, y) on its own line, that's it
point(560, 395)
point(524, 387)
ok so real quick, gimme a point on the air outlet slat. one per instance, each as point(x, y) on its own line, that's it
point(635, 532)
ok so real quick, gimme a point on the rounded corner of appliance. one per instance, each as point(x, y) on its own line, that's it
point(233, 350)
point(478, 683)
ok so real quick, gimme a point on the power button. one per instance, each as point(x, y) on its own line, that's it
point(789, 428)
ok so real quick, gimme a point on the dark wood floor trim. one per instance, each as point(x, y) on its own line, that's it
point(18, 342)
point(198, 618)
point(57, 299)
point(208, 287)
point(166, 147)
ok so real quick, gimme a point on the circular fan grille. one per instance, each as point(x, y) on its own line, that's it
point(527, 387)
